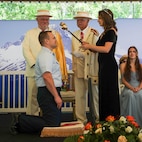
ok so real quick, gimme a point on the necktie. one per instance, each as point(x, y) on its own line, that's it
point(81, 35)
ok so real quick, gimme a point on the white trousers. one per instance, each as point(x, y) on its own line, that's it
point(81, 90)
point(32, 104)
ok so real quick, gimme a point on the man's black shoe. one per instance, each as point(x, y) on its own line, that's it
point(13, 127)
point(15, 117)
point(13, 130)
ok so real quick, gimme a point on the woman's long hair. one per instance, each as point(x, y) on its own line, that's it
point(127, 70)
point(108, 20)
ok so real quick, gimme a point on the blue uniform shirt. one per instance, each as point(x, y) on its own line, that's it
point(46, 62)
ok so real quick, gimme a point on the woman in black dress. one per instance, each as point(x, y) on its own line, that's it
point(108, 69)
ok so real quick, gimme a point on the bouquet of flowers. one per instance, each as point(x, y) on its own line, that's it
point(124, 129)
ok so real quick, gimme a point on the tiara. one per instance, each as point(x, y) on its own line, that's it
point(105, 10)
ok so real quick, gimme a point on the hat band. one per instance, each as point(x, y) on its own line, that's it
point(43, 13)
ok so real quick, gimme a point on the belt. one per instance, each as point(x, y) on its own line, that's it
point(46, 88)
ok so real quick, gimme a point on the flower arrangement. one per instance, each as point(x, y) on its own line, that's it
point(124, 129)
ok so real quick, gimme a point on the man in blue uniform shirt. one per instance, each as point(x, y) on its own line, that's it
point(49, 82)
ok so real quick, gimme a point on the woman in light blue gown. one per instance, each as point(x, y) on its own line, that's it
point(131, 96)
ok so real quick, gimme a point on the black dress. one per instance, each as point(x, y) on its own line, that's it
point(108, 78)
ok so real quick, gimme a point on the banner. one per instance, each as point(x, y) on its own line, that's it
point(12, 34)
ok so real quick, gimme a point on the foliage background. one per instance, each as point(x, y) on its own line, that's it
point(66, 10)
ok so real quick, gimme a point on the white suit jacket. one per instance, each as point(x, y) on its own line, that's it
point(85, 66)
point(31, 48)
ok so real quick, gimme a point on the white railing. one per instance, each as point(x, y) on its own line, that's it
point(13, 92)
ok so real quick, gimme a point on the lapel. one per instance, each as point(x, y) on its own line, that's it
point(87, 34)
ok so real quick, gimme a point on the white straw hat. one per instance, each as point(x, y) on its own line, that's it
point(82, 14)
point(43, 13)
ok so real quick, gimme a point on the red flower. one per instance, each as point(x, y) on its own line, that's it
point(110, 118)
point(106, 140)
point(88, 126)
point(135, 124)
point(98, 125)
point(130, 118)
point(81, 139)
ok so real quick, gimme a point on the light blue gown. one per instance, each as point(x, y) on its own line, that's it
point(130, 102)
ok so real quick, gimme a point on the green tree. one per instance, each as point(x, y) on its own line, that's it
point(66, 10)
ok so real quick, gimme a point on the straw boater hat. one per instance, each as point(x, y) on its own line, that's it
point(43, 13)
point(82, 14)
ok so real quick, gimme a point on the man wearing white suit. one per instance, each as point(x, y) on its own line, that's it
point(31, 48)
point(85, 67)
